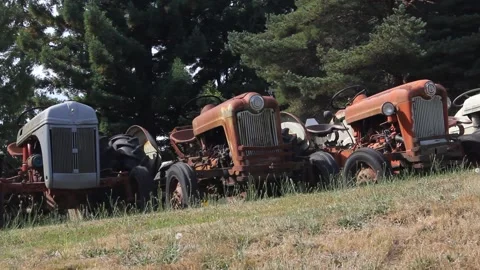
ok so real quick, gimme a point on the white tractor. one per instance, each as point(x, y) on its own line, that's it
point(467, 118)
point(466, 123)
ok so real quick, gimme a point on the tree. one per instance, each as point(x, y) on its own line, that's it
point(121, 57)
point(326, 45)
point(16, 81)
point(452, 40)
point(214, 19)
point(127, 58)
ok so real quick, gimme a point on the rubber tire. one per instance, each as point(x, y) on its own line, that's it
point(372, 158)
point(128, 152)
point(143, 186)
point(323, 165)
point(471, 147)
point(187, 179)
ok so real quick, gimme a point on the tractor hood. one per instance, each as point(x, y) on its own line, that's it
point(363, 107)
point(471, 105)
point(218, 115)
point(66, 113)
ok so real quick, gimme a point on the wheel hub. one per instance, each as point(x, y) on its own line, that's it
point(177, 197)
point(366, 176)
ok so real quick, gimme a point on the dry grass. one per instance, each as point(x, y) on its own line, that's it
point(421, 223)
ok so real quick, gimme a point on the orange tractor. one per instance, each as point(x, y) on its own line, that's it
point(402, 127)
point(232, 141)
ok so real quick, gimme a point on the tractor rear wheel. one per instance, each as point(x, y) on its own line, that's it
point(181, 189)
point(122, 152)
point(324, 169)
point(365, 166)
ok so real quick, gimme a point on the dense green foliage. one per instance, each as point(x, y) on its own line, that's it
point(16, 83)
point(326, 45)
point(128, 58)
point(139, 61)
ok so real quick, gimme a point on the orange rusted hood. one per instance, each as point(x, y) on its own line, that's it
point(218, 115)
point(366, 107)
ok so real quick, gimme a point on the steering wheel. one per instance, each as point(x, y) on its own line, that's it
point(349, 93)
point(189, 114)
point(19, 118)
point(463, 97)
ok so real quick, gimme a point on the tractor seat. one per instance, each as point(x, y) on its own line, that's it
point(14, 150)
point(182, 136)
point(323, 129)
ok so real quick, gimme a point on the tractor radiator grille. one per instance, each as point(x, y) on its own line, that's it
point(428, 119)
point(257, 129)
point(73, 151)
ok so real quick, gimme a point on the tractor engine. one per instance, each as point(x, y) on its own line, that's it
point(380, 134)
point(35, 162)
point(220, 156)
point(216, 149)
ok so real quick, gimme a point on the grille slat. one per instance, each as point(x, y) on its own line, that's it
point(62, 158)
point(73, 150)
point(257, 129)
point(86, 150)
point(428, 119)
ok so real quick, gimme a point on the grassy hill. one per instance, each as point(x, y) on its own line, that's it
point(418, 223)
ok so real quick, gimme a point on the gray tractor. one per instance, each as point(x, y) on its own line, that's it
point(66, 163)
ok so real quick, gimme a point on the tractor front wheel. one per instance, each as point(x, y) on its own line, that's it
point(181, 188)
point(365, 166)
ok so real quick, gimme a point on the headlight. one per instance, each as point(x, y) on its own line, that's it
point(388, 108)
point(257, 102)
point(449, 103)
point(430, 88)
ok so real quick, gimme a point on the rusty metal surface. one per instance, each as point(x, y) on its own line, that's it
point(363, 107)
point(365, 117)
point(258, 160)
point(223, 115)
point(401, 97)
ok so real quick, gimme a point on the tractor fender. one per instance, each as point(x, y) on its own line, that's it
point(148, 145)
point(162, 169)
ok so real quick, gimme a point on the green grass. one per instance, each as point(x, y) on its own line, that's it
point(409, 223)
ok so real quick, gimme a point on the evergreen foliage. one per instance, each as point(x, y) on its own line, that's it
point(139, 61)
point(16, 81)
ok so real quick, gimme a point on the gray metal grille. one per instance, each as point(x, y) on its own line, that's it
point(73, 150)
point(86, 145)
point(428, 119)
point(257, 129)
point(61, 143)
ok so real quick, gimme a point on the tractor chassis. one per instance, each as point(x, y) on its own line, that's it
point(68, 199)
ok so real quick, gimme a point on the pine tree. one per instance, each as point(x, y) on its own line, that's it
point(326, 45)
point(452, 40)
point(16, 81)
point(123, 58)
point(127, 58)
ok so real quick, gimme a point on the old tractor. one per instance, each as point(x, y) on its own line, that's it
point(403, 127)
point(230, 142)
point(64, 163)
